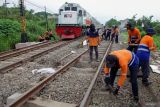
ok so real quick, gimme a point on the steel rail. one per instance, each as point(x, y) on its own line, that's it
point(20, 51)
point(25, 97)
point(12, 50)
point(19, 63)
point(86, 98)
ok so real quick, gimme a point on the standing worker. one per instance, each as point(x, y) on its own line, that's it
point(146, 45)
point(108, 33)
point(116, 30)
point(134, 37)
point(114, 34)
point(122, 59)
point(94, 41)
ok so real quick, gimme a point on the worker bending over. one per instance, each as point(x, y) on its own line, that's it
point(122, 59)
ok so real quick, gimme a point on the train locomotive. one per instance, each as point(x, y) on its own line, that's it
point(72, 20)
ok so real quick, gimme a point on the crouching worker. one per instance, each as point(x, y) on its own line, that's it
point(122, 59)
point(40, 38)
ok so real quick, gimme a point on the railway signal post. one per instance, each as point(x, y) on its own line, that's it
point(46, 18)
point(24, 37)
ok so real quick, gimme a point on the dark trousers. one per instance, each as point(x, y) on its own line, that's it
point(116, 38)
point(113, 73)
point(145, 70)
point(133, 73)
point(144, 64)
point(107, 36)
point(132, 48)
point(103, 35)
point(91, 52)
point(112, 37)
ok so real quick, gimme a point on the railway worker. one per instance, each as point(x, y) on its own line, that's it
point(122, 59)
point(50, 33)
point(104, 33)
point(41, 38)
point(94, 40)
point(114, 33)
point(146, 45)
point(100, 32)
point(46, 35)
point(134, 37)
point(108, 33)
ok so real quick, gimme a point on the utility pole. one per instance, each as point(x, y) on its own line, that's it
point(24, 37)
point(46, 18)
point(5, 5)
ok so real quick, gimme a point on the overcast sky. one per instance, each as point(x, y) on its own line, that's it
point(104, 10)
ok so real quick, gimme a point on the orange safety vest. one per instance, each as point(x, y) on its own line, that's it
point(134, 36)
point(93, 41)
point(124, 58)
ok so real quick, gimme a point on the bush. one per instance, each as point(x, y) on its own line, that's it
point(8, 27)
point(33, 27)
point(8, 42)
point(143, 33)
point(157, 28)
point(157, 40)
point(140, 28)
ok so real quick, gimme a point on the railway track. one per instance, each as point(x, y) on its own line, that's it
point(21, 78)
point(65, 86)
point(97, 96)
point(72, 73)
point(10, 62)
point(15, 52)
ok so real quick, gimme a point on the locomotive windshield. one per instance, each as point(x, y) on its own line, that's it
point(67, 8)
point(74, 8)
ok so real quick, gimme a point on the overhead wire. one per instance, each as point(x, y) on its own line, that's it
point(40, 7)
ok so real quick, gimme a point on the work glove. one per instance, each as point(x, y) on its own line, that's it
point(107, 79)
point(115, 92)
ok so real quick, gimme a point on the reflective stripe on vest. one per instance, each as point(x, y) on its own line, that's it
point(143, 47)
point(132, 60)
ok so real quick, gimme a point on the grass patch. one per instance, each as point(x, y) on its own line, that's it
point(124, 36)
point(157, 41)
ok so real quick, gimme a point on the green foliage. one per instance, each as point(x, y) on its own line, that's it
point(124, 36)
point(8, 27)
point(8, 42)
point(157, 40)
point(41, 14)
point(145, 21)
point(34, 27)
point(143, 33)
point(157, 28)
point(112, 22)
point(140, 28)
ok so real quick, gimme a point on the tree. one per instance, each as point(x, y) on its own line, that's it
point(112, 22)
point(147, 22)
